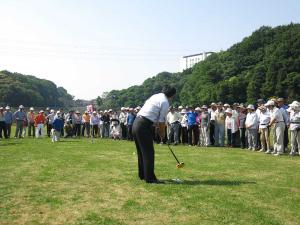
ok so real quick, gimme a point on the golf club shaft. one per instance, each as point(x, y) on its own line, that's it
point(173, 154)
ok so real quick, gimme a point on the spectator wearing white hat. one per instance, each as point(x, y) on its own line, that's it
point(2, 124)
point(251, 126)
point(9, 117)
point(57, 126)
point(50, 119)
point(241, 122)
point(40, 121)
point(30, 118)
point(19, 117)
point(264, 120)
point(212, 115)
point(295, 127)
point(173, 121)
point(123, 119)
point(94, 122)
point(231, 125)
point(204, 126)
point(278, 122)
point(184, 125)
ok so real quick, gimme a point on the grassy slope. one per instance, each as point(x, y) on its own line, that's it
point(77, 182)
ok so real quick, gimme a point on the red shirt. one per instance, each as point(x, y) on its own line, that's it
point(40, 118)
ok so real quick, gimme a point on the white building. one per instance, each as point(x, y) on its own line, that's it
point(190, 60)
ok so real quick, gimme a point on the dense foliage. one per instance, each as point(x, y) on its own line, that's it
point(17, 89)
point(265, 64)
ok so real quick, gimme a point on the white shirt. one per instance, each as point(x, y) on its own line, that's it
point(231, 123)
point(252, 120)
point(155, 108)
point(183, 121)
point(277, 114)
point(294, 120)
point(122, 117)
point(264, 119)
point(173, 117)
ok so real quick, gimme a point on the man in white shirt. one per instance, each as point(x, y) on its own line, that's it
point(123, 120)
point(251, 126)
point(295, 127)
point(173, 120)
point(279, 126)
point(152, 113)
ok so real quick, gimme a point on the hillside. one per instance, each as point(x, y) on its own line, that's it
point(17, 89)
point(265, 64)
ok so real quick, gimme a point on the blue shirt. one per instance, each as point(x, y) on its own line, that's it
point(58, 124)
point(191, 116)
point(8, 116)
point(130, 119)
point(19, 115)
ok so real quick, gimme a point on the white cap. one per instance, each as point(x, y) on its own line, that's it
point(198, 109)
point(183, 111)
point(269, 103)
point(226, 105)
point(31, 109)
point(58, 112)
point(41, 111)
point(204, 107)
point(139, 107)
point(213, 104)
point(7, 107)
point(21, 107)
point(52, 111)
point(110, 110)
point(180, 107)
point(94, 112)
point(229, 111)
point(1, 108)
point(295, 104)
point(122, 108)
point(251, 107)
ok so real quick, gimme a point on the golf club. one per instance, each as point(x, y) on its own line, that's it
point(179, 164)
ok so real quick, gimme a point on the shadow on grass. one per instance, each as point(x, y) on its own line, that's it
point(9, 143)
point(211, 182)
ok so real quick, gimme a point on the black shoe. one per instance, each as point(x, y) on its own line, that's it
point(155, 182)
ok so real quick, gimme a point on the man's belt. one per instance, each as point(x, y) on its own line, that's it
point(264, 124)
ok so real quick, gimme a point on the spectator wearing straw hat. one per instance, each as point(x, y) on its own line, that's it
point(9, 117)
point(279, 126)
point(19, 117)
point(295, 127)
point(251, 126)
point(30, 118)
point(264, 120)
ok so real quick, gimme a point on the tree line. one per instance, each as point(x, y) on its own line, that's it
point(265, 64)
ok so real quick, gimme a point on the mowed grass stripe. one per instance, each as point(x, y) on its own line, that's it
point(80, 182)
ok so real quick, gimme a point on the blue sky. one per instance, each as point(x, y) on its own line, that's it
point(90, 46)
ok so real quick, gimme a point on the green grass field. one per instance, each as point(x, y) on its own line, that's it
point(77, 182)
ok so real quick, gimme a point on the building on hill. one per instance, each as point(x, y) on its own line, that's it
point(189, 61)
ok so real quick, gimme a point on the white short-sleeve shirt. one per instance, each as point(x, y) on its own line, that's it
point(155, 108)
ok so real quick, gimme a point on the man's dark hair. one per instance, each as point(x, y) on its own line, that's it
point(169, 91)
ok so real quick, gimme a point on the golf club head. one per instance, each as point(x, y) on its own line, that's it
point(180, 165)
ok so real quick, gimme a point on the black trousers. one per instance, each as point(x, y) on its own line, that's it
point(212, 133)
point(129, 133)
point(124, 131)
point(49, 128)
point(243, 137)
point(231, 138)
point(184, 135)
point(3, 132)
point(193, 134)
point(143, 136)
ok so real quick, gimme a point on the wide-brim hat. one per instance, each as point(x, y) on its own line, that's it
point(226, 105)
point(228, 111)
point(270, 103)
point(295, 104)
point(250, 107)
point(183, 111)
point(204, 107)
